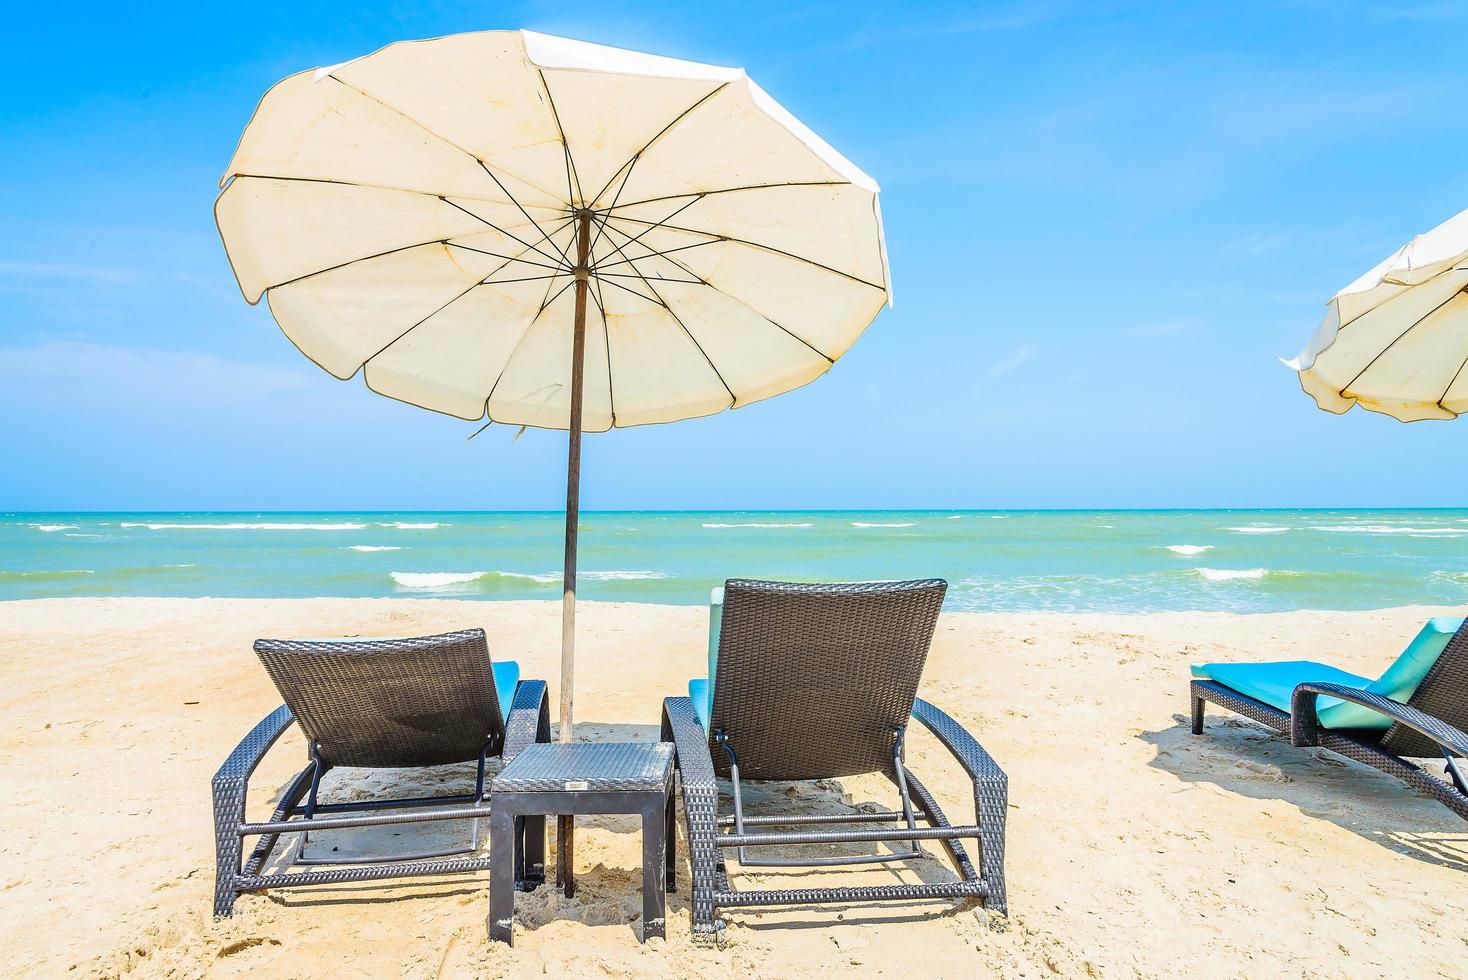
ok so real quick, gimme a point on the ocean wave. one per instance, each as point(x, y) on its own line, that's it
point(1189, 549)
point(410, 526)
point(373, 547)
point(1232, 574)
point(53, 527)
point(1411, 532)
point(44, 576)
point(622, 576)
point(242, 526)
point(439, 580)
point(79, 534)
point(894, 524)
point(807, 524)
point(1258, 529)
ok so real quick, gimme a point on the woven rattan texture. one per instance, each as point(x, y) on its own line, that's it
point(1443, 694)
point(590, 767)
point(848, 658)
point(421, 701)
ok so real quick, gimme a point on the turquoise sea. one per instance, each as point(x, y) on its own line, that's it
point(1127, 561)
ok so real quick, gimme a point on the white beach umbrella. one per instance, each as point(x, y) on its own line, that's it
point(551, 233)
point(1395, 341)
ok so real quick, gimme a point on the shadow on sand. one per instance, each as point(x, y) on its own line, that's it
point(1245, 758)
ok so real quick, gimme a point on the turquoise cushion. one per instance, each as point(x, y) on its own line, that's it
point(700, 692)
point(1274, 683)
point(506, 679)
point(716, 620)
point(1399, 681)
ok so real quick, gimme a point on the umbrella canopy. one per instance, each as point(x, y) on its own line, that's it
point(1395, 341)
point(551, 233)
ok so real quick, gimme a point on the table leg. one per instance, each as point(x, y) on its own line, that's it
point(502, 878)
point(534, 862)
point(654, 871)
point(566, 853)
point(670, 837)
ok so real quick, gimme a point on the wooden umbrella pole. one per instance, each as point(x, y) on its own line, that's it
point(573, 477)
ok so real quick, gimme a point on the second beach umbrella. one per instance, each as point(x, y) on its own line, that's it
point(1395, 341)
point(551, 233)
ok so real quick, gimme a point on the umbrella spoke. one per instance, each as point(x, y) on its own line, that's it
point(379, 187)
point(448, 142)
point(729, 190)
point(638, 275)
point(651, 252)
point(544, 236)
point(1410, 327)
point(660, 134)
point(743, 241)
point(508, 258)
point(779, 326)
point(573, 179)
point(626, 289)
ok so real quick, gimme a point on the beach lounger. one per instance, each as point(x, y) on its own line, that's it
point(818, 682)
point(377, 704)
point(1417, 709)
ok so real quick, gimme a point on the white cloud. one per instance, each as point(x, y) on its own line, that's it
point(1012, 360)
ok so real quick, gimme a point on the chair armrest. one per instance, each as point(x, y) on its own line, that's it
point(690, 741)
point(965, 748)
point(529, 719)
point(1305, 724)
point(252, 748)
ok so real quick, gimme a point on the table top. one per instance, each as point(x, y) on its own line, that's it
point(588, 767)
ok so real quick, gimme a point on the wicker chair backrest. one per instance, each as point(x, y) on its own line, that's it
point(1443, 694)
point(417, 701)
point(814, 680)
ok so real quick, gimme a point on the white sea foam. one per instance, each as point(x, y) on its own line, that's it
point(373, 547)
point(1189, 549)
point(440, 580)
point(262, 526)
point(79, 534)
point(998, 517)
point(64, 573)
point(435, 580)
point(895, 524)
point(1232, 574)
point(53, 527)
point(1411, 532)
point(622, 576)
point(1259, 529)
point(955, 517)
point(410, 526)
point(807, 524)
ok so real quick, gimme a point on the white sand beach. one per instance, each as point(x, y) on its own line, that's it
point(1134, 847)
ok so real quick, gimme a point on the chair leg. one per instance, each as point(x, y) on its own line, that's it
point(1198, 715)
point(229, 812)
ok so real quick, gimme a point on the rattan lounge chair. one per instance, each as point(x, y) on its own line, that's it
point(1417, 709)
point(382, 704)
point(818, 682)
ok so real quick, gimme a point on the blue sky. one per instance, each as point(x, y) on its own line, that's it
point(1105, 221)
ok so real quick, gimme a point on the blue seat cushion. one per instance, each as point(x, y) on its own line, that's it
point(700, 692)
point(1274, 683)
point(506, 679)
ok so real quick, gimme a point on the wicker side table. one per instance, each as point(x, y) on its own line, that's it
point(601, 777)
